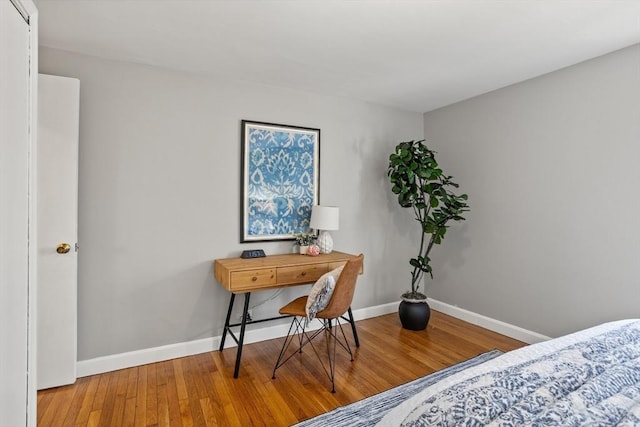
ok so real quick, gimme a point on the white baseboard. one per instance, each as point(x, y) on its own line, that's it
point(375, 311)
point(157, 354)
point(114, 362)
point(494, 325)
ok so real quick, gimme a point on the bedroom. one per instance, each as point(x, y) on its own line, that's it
point(550, 245)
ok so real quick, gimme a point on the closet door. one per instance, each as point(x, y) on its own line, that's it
point(15, 144)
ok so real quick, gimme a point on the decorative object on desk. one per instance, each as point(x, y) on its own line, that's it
point(420, 184)
point(304, 240)
point(324, 218)
point(253, 253)
point(280, 180)
point(313, 250)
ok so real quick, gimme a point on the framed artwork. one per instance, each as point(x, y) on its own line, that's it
point(280, 180)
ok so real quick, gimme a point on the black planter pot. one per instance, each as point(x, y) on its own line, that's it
point(414, 314)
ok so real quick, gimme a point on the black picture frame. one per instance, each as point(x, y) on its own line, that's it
point(280, 180)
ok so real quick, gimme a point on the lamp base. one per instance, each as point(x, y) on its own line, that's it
point(325, 241)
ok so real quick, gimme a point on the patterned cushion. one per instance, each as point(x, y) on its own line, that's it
point(321, 292)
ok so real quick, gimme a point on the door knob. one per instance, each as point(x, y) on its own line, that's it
point(63, 248)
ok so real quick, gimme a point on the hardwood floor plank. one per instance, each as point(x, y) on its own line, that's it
point(200, 390)
point(132, 382)
point(101, 393)
point(180, 381)
point(119, 398)
point(152, 395)
point(129, 415)
point(44, 400)
point(82, 416)
point(179, 410)
point(220, 378)
point(163, 407)
point(140, 415)
point(193, 392)
point(94, 419)
point(210, 414)
point(81, 388)
point(59, 407)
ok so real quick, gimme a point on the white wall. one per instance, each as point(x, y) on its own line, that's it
point(552, 242)
point(160, 196)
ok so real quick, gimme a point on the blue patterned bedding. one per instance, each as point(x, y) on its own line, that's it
point(590, 378)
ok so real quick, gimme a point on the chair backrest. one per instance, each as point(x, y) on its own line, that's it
point(344, 289)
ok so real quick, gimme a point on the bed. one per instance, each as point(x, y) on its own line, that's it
point(591, 377)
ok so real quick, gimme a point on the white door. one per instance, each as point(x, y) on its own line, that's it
point(15, 166)
point(58, 115)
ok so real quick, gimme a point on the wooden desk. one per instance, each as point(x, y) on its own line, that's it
point(238, 275)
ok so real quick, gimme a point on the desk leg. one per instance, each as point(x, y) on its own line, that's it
point(353, 328)
point(242, 326)
point(226, 322)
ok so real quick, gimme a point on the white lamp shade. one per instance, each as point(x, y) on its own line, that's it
point(325, 217)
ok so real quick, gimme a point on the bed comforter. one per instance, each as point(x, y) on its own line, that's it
point(590, 378)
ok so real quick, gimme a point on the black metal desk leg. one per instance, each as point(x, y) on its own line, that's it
point(226, 322)
point(353, 328)
point(242, 326)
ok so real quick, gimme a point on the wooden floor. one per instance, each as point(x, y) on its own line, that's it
point(200, 390)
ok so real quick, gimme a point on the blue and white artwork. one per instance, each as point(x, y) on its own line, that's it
point(280, 180)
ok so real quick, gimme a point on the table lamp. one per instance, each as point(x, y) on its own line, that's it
point(325, 218)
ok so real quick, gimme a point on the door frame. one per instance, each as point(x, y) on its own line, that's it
point(30, 13)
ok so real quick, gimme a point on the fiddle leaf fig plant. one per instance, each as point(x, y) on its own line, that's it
point(420, 184)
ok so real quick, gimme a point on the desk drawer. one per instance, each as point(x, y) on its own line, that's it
point(252, 279)
point(301, 273)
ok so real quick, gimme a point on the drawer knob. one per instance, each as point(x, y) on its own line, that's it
point(254, 278)
point(304, 273)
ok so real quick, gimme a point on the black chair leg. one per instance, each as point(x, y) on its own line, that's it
point(353, 327)
point(346, 345)
point(299, 331)
point(331, 336)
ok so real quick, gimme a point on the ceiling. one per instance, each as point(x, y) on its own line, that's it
point(414, 55)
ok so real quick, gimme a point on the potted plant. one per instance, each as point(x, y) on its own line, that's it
point(420, 184)
point(304, 240)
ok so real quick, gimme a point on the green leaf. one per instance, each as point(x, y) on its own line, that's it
point(424, 172)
